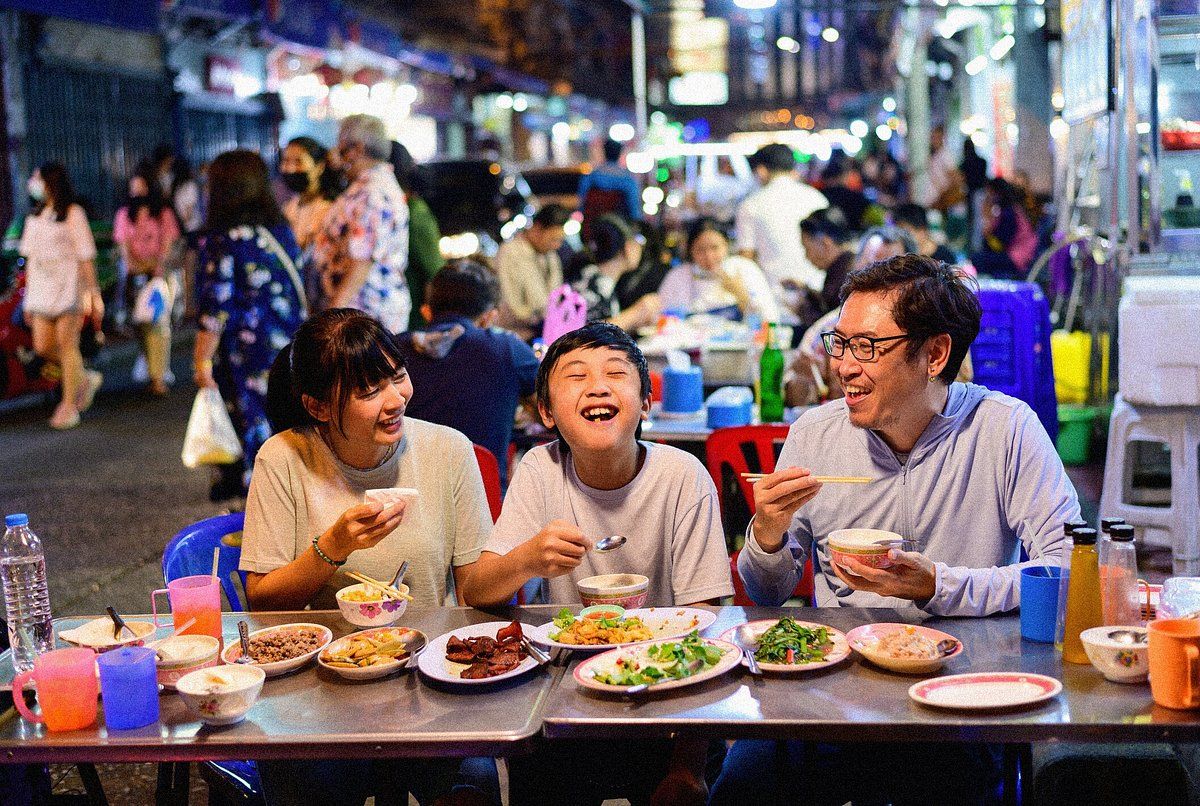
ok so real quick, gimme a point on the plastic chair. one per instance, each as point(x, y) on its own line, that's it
point(748, 449)
point(190, 553)
point(489, 467)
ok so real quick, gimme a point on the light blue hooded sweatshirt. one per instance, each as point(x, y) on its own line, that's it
point(982, 480)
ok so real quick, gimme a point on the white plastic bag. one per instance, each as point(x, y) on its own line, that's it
point(210, 438)
point(153, 302)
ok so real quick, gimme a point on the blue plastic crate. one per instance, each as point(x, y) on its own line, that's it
point(1012, 353)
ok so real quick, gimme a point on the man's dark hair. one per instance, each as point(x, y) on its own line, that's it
point(929, 298)
point(829, 222)
point(594, 335)
point(776, 158)
point(914, 215)
point(552, 215)
point(891, 234)
point(612, 150)
point(463, 288)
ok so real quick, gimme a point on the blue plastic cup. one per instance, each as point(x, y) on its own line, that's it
point(129, 687)
point(1039, 602)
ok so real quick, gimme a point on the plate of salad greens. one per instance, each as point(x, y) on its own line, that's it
point(787, 645)
point(661, 665)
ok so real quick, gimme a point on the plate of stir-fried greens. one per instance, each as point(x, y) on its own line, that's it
point(787, 645)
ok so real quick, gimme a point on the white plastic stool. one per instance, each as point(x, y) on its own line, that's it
point(1179, 429)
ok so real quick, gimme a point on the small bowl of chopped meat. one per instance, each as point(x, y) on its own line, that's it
point(282, 649)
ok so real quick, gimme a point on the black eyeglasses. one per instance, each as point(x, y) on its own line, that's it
point(861, 347)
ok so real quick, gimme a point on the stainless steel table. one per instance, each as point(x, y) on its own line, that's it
point(855, 701)
point(314, 714)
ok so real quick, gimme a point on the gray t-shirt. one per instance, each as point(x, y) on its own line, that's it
point(299, 489)
point(669, 514)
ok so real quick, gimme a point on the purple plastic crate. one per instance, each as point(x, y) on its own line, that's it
point(1012, 353)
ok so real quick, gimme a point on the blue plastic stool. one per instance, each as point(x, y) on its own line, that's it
point(189, 553)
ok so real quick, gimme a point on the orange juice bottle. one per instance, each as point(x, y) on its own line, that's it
point(1083, 595)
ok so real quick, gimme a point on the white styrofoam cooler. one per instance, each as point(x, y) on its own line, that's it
point(1159, 341)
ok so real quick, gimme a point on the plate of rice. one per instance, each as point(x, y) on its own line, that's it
point(907, 648)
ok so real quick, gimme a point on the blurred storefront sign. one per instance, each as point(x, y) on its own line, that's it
point(700, 46)
point(698, 89)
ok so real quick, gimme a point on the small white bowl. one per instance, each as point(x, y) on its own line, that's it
point(1117, 661)
point(626, 590)
point(184, 654)
point(221, 696)
point(382, 612)
point(867, 546)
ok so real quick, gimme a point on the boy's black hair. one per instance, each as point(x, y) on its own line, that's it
point(552, 215)
point(592, 336)
point(463, 288)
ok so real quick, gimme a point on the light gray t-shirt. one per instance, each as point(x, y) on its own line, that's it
point(299, 489)
point(669, 514)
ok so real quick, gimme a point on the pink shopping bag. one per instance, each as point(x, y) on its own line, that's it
point(566, 311)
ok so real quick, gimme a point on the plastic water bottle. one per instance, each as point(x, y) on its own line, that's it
point(26, 596)
point(1104, 542)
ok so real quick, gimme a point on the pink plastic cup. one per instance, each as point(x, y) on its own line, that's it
point(67, 689)
point(195, 597)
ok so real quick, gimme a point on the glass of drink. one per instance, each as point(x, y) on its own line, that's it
point(194, 597)
point(66, 689)
point(130, 686)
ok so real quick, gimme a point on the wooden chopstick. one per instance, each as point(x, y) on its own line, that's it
point(380, 586)
point(822, 479)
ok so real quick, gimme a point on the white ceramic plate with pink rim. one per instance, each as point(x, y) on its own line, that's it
point(585, 672)
point(985, 691)
point(838, 651)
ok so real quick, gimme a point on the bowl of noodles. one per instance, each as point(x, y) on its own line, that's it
point(905, 648)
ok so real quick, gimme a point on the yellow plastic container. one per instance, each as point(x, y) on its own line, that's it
point(1071, 353)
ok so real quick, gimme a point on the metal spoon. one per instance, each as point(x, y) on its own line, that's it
point(244, 636)
point(400, 574)
point(947, 646)
point(1128, 636)
point(118, 624)
point(745, 638)
point(609, 543)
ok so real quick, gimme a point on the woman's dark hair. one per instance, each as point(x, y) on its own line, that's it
point(701, 226)
point(239, 193)
point(609, 236)
point(929, 298)
point(328, 183)
point(334, 354)
point(1004, 191)
point(463, 288)
point(592, 336)
point(410, 176)
point(154, 201)
point(181, 170)
point(59, 190)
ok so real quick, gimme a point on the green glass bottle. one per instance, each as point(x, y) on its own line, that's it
point(770, 383)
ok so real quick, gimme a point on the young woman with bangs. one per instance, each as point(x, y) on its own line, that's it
point(307, 522)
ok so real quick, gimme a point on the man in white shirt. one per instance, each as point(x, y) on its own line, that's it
point(768, 226)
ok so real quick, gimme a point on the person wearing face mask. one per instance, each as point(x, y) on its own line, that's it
point(61, 289)
point(304, 170)
point(145, 230)
point(616, 249)
point(250, 300)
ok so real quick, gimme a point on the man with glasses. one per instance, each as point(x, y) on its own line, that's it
point(966, 475)
point(361, 252)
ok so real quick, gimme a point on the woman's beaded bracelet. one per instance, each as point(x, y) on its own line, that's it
point(325, 556)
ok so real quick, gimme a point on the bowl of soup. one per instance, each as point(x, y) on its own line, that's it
point(221, 695)
point(867, 546)
point(367, 606)
point(624, 590)
point(183, 654)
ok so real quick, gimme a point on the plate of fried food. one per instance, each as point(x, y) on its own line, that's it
point(478, 654)
point(372, 654)
point(279, 650)
point(597, 629)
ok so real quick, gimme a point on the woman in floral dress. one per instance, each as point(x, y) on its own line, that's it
point(249, 298)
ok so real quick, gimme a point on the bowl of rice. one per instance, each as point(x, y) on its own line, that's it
point(867, 546)
point(905, 648)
